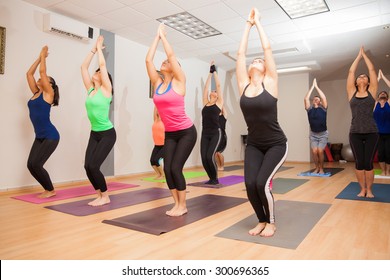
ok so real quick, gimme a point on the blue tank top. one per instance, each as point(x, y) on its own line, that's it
point(382, 118)
point(317, 118)
point(40, 118)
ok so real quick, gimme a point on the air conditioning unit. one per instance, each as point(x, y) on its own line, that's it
point(67, 27)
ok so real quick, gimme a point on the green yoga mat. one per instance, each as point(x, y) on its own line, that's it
point(187, 175)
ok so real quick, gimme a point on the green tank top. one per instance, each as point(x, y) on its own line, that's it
point(98, 109)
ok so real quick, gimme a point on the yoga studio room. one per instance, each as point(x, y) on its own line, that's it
point(251, 131)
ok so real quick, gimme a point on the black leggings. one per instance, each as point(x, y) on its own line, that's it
point(208, 147)
point(363, 147)
point(40, 152)
point(384, 148)
point(177, 148)
point(259, 167)
point(99, 146)
point(157, 154)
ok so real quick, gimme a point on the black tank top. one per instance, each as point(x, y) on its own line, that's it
point(261, 117)
point(210, 117)
point(362, 114)
point(222, 122)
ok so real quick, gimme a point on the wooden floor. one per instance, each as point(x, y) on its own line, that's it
point(349, 229)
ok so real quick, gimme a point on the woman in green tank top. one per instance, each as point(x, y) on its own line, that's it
point(103, 136)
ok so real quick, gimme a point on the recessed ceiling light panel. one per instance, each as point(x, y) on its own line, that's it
point(189, 25)
point(302, 8)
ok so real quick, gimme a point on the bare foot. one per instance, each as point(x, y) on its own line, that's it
point(220, 168)
point(178, 212)
point(47, 194)
point(316, 170)
point(370, 194)
point(158, 177)
point(321, 172)
point(170, 212)
point(257, 230)
point(100, 201)
point(362, 193)
point(268, 231)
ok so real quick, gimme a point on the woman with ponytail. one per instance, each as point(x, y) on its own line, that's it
point(45, 95)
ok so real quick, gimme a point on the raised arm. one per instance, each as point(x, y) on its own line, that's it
point(271, 75)
point(306, 100)
point(241, 69)
point(218, 90)
point(48, 92)
point(30, 76)
point(351, 87)
point(84, 68)
point(324, 101)
point(106, 83)
point(206, 89)
point(155, 79)
point(381, 76)
point(373, 86)
point(178, 73)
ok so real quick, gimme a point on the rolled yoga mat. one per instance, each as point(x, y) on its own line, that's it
point(155, 221)
point(294, 221)
point(223, 182)
point(71, 193)
point(81, 207)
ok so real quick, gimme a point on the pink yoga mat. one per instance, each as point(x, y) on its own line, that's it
point(71, 193)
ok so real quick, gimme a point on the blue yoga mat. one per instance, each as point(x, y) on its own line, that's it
point(381, 193)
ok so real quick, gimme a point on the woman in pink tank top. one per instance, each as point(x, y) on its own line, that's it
point(180, 132)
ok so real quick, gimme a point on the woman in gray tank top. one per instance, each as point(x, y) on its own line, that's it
point(363, 134)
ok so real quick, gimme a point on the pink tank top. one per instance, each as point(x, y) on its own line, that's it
point(170, 106)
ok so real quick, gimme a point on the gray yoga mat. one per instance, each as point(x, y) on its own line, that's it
point(81, 207)
point(233, 167)
point(155, 221)
point(294, 221)
point(284, 185)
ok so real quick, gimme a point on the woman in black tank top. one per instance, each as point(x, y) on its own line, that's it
point(266, 143)
point(363, 134)
point(211, 131)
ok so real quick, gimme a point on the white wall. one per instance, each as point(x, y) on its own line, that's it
point(293, 116)
point(133, 108)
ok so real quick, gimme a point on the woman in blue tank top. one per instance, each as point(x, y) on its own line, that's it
point(266, 147)
point(382, 119)
point(45, 95)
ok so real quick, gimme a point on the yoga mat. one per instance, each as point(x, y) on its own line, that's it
point(284, 185)
point(223, 182)
point(283, 168)
point(155, 221)
point(233, 167)
point(71, 193)
point(187, 175)
point(328, 172)
point(81, 207)
point(294, 221)
point(381, 193)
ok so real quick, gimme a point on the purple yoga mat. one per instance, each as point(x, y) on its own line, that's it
point(223, 182)
point(71, 193)
point(81, 207)
point(155, 221)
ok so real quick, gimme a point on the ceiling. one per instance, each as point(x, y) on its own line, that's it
point(327, 42)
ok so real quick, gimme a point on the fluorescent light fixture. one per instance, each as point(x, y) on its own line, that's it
point(189, 25)
point(302, 8)
point(293, 69)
